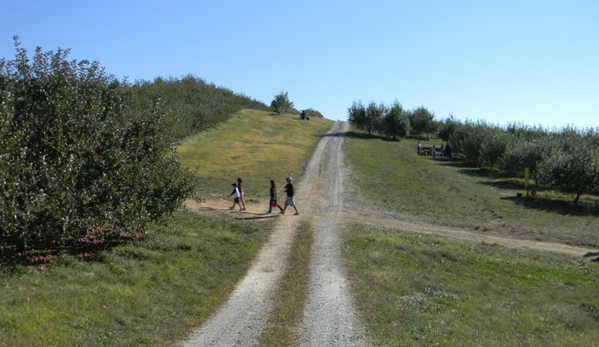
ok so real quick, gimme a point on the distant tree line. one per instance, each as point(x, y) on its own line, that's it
point(84, 154)
point(566, 160)
point(393, 122)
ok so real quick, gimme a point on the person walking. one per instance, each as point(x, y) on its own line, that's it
point(241, 193)
point(273, 197)
point(290, 201)
point(236, 198)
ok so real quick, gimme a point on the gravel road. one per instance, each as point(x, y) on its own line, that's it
point(329, 316)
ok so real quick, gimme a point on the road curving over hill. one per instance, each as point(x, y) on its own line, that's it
point(329, 315)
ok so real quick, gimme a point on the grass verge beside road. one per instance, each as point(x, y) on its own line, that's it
point(146, 293)
point(421, 290)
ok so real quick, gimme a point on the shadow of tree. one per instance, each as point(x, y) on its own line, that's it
point(496, 180)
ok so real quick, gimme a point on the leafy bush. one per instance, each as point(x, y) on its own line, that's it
point(312, 113)
point(480, 143)
point(572, 166)
point(523, 154)
point(75, 158)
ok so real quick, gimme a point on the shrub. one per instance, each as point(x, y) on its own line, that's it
point(74, 159)
point(480, 143)
point(572, 166)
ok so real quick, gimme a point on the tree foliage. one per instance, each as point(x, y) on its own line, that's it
point(422, 121)
point(446, 128)
point(281, 103)
point(312, 113)
point(357, 115)
point(75, 159)
point(374, 117)
point(190, 103)
point(566, 161)
point(395, 122)
point(572, 164)
point(391, 122)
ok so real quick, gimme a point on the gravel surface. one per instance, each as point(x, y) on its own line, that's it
point(330, 319)
point(329, 316)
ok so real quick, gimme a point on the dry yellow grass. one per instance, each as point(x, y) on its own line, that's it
point(255, 145)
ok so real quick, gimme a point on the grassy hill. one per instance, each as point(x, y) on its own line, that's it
point(255, 145)
point(413, 290)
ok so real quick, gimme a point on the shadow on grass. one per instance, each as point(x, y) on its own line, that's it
point(88, 248)
point(593, 255)
point(494, 179)
point(251, 216)
point(357, 135)
point(559, 206)
point(361, 136)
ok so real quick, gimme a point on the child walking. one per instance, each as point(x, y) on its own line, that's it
point(241, 193)
point(236, 198)
point(273, 197)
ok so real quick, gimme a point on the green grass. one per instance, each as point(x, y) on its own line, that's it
point(420, 290)
point(391, 175)
point(293, 293)
point(146, 293)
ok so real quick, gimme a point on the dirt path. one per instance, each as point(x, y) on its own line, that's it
point(329, 316)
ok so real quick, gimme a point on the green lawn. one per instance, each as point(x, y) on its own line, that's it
point(420, 290)
point(412, 290)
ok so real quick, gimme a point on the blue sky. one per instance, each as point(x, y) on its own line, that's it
point(530, 62)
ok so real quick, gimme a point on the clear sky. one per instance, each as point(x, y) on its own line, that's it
point(502, 61)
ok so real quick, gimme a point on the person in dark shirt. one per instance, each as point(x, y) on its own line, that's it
point(290, 196)
point(273, 197)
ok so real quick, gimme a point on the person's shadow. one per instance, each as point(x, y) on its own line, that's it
point(250, 215)
point(594, 255)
